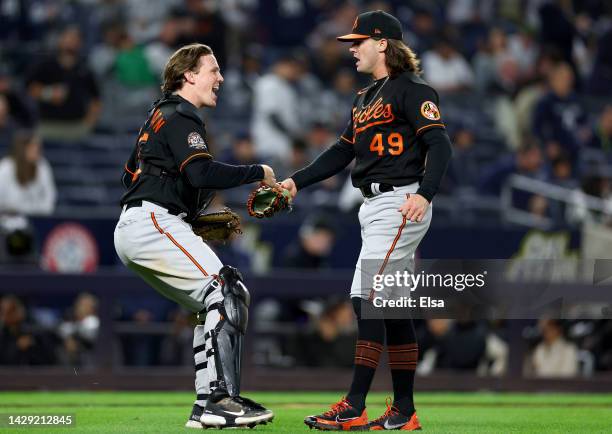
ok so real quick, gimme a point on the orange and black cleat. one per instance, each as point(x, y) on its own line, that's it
point(342, 417)
point(394, 420)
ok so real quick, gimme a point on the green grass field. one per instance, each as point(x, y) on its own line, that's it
point(165, 412)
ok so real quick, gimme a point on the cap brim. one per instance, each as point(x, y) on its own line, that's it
point(352, 37)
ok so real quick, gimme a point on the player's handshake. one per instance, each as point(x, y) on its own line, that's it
point(269, 177)
point(289, 184)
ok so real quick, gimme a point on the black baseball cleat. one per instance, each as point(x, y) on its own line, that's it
point(342, 417)
point(234, 412)
point(392, 419)
point(194, 419)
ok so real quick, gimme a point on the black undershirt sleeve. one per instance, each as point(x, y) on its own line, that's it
point(328, 163)
point(208, 173)
point(439, 152)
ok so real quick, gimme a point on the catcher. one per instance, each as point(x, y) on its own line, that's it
point(170, 178)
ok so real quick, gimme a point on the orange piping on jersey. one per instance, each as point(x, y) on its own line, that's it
point(382, 268)
point(158, 125)
point(136, 174)
point(128, 170)
point(191, 157)
point(171, 238)
point(144, 137)
point(428, 126)
point(352, 142)
point(365, 127)
point(156, 116)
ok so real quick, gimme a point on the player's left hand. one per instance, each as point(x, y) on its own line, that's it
point(414, 208)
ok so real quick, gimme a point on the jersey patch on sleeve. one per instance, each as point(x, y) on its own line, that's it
point(196, 141)
point(430, 111)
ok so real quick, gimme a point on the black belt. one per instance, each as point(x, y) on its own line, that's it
point(150, 169)
point(136, 203)
point(366, 189)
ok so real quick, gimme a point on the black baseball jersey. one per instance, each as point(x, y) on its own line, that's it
point(387, 120)
point(172, 136)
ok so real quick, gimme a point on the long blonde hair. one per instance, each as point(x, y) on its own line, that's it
point(399, 58)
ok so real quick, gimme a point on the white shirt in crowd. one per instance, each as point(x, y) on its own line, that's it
point(274, 95)
point(558, 359)
point(446, 74)
point(35, 198)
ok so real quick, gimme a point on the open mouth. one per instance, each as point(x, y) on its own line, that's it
point(215, 89)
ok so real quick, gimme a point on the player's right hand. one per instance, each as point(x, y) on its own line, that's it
point(289, 184)
point(269, 177)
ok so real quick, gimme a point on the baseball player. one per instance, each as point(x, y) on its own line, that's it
point(170, 177)
point(399, 142)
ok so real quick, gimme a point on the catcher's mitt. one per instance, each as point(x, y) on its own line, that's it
point(267, 201)
point(217, 226)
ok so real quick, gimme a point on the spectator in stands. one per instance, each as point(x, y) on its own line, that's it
point(445, 68)
point(554, 356)
point(456, 345)
point(7, 125)
point(19, 346)
point(132, 69)
point(80, 331)
point(600, 82)
point(314, 245)
point(562, 172)
point(528, 97)
point(146, 17)
point(159, 51)
point(334, 103)
point(559, 120)
point(276, 111)
point(177, 348)
point(527, 161)
point(239, 83)
point(556, 30)
point(463, 169)
point(496, 67)
point(65, 90)
point(242, 150)
point(286, 25)
point(26, 180)
point(601, 139)
point(208, 24)
point(102, 59)
point(423, 31)
point(21, 108)
point(333, 330)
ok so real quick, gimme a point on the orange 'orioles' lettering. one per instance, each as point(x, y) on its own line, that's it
point(395, 142)
point(374, 114)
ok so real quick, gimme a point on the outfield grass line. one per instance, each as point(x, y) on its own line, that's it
point(307, 405)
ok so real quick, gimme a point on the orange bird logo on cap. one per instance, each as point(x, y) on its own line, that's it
point(355, 23)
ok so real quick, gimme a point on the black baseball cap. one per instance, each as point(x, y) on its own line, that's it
point(374, 24)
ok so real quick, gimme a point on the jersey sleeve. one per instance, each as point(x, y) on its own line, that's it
point(421, 109)
point(348, 135)
point(187, 140)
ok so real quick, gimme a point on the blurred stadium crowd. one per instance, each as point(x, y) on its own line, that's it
point(525, 89)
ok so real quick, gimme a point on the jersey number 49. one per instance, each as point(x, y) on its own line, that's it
point(395, 144)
